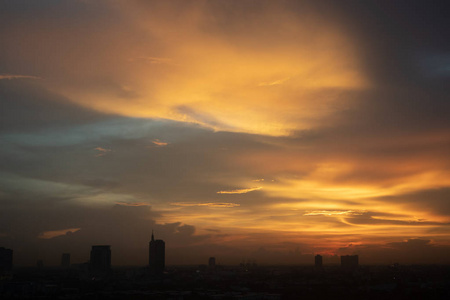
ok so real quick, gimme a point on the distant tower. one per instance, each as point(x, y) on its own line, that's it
point(212, 263)
point(156, 255)
point(6, 259)
point(100, 258)
point(349, 262)
point(318, 261)
point(65, 260)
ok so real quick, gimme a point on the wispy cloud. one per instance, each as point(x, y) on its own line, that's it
point(157, 142)
point(132, 203)
point(240, 191)
point(155, 60)
point(102, 151)
point(212, 230)
point(332, 213)
point(275, 82)
point(220, 205)
point(54, 233)
point(12, 76)
point(376, 218)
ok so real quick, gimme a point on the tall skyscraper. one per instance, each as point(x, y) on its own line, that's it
point(318, 261)
point(6, 259)
point(212, 264)
point(100, 258)
point(349, 262)
point(157, 255)
point(65, 260)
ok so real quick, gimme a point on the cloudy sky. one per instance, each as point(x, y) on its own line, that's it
point(245, 130)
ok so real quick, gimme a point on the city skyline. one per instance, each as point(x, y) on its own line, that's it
point(265, 130)
point(100, 260)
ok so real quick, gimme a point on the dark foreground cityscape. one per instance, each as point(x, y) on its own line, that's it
point(97, 279)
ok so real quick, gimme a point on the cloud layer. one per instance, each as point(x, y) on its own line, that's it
point(119, 117)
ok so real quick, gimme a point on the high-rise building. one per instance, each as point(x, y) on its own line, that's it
point(318, 261)
point(6, 259)
point(100, 258)
point(156, 255)
point(212, 262)
point(349, 262)
point(65, 260)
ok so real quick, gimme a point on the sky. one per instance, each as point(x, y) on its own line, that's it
point(266, 131)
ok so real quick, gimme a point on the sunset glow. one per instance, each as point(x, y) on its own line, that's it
point(274, 125)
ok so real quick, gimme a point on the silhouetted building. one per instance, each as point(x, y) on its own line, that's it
point(157, 255)
point(318, 261)
point(349, 262)
point(212, 262)
point(100, 258)
point(6, 259)
point(65, 260)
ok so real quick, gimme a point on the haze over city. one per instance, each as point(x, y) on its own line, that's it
point(268, 131)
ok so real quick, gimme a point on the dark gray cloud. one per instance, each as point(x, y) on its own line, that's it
point(126, 228)
point(391, 33)
point(26, 106)
point(406, 252)
point(434, 200)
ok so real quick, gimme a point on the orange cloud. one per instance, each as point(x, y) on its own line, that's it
point(276, 82)
point(219, 205)
point(330, 212)
point(103, 151)
point(12, 76)
point(159, 143)
point(54, 233)
point(240, 191)
point(157, 60)
point(229, 79)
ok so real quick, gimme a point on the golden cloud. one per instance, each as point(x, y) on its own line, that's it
point(159, 143)
point(54, 233)
point(211, 204)
point(102, 151)
point(240, 191)
point(270, 73)
point(331, 213)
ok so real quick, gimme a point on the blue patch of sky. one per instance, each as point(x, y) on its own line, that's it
point(435, 64)
point(123, 128)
